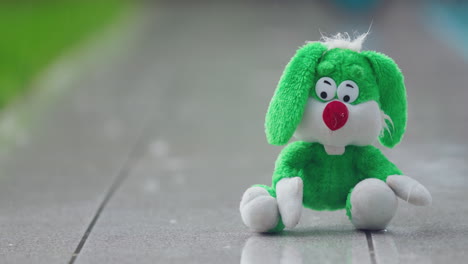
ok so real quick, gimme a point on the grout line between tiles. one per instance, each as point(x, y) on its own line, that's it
point(370, 244)
point(122, 175)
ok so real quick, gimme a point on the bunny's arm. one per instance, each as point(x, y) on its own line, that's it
point(371, 163)
point(292, 159)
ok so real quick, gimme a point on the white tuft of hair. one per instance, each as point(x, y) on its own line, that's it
point(385, 126)
point(344, 41)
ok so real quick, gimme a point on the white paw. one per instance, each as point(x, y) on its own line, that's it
point(409, 190)
point(289, 196)
point(373, 205)
point(259, 210)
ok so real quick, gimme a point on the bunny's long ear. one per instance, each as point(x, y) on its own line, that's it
point(290, 98)
point(392, 92)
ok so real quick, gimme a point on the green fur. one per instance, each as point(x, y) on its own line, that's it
point(348, 205)
point(348, 65)
point(328, 179)
point(378, 77)
point(392, 97)
point(327, 186)
point(278, 228)
point(288, 104)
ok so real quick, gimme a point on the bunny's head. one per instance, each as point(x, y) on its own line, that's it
point(333, 94)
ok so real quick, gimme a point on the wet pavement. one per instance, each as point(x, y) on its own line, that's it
point(144, 158)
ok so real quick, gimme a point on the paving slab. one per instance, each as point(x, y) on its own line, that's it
point(434, 150)
point(146, 161)
point(54, 177)
point(180, 201)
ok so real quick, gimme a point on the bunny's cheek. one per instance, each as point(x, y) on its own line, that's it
point(362, 126)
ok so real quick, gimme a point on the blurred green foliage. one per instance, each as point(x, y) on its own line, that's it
point(33, 33)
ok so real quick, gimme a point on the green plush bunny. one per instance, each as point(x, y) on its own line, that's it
point(337, 101)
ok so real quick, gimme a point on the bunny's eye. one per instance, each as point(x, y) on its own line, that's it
point(348, 91)
point(325, 88)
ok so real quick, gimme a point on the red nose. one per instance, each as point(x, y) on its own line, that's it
point(335, 115)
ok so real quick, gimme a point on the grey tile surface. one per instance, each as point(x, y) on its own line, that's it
point(437, 234)
point(181, 198)
point(53, 180)
point(434, 150)
point(180, 119)
point(180, 201)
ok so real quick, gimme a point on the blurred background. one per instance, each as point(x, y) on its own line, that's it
point(130, 129)
point(35, 33)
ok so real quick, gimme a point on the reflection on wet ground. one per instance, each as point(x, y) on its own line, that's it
point(320, 246)
point(306, 245)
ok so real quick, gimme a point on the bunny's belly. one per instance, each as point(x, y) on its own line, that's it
point(326, 186)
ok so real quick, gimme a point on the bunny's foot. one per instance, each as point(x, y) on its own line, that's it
point(259, 210)
point(265, 210)
point(371, 205)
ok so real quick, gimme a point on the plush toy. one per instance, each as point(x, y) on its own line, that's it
point(337, 101)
